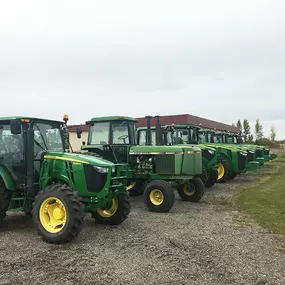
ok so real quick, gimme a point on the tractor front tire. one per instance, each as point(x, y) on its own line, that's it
point(4, 204)
point(192, 191)
point(136, 188)
point(225, 171)
point(117, 213)
point(159, 196)
point(212, 180)
point(58, 214)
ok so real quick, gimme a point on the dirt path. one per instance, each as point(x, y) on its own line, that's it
point(201, 243)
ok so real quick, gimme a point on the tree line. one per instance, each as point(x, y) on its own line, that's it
point(257, 137)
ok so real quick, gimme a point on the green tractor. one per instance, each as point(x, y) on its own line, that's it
point(259, 153)
point(235, 159)
point(183, 136)
point(39, 178)
point(151, 170)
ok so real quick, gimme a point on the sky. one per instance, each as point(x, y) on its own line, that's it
point(223, 60)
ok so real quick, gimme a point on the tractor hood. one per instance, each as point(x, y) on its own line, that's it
point(79, 158)
point(163, 149)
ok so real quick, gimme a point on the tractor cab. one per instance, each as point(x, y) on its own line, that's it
point(111, 137)
point(23, 142)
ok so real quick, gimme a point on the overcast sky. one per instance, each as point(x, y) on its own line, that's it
point(222, 60)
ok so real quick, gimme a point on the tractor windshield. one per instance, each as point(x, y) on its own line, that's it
point(48, 137)
point(142, 137)
point(231, 139)
point(118, 132)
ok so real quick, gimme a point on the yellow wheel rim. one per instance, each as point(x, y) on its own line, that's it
point(131, 185)
point(186, 189)
point(156, 197)
point(107, 213)
point(53, 215)
point(221, 171)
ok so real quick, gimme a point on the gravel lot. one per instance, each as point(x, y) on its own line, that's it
point(203, 243)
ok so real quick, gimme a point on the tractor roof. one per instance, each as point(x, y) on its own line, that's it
point(175, 127)
point(28, 118)
point(112, 118)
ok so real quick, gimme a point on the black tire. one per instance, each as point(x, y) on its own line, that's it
point(166, 193)
point(204, 175)
point(227, 171)
point(232, 176)
point(192, 191)
point(212, 180)
point(74, 213)
point(5, 197)
point(138, 188)
point(120, 214)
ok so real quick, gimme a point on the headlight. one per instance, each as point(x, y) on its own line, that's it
point(101, 169)
point(113, 168)
point(266, 148)
point(211, 151)
point(250, 151)
point(243, 153)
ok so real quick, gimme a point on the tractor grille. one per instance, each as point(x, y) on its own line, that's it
point(165, 164)
point(95, 181)
point(206, 154)
point(266, 151)
point(250, 156)
point(258, 153)
point(241, 161)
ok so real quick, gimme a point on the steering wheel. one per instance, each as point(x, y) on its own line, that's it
point(122, 137)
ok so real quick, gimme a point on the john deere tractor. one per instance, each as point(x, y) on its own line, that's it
point(37, 177)
point(151, 170)
point(259, 153)
point(182, 135)
point(234, 159)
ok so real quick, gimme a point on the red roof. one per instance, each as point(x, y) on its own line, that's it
point(191, 120)
point(72, 128)
point(175, 119)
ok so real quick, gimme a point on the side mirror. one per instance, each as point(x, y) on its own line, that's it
point(15, 127)
point(78, 132)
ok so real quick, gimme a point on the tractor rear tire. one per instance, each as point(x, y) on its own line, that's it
point(159, 196)
point(4, 204)
point(212, 180)
point(192, 191)
point(138, 187)
point(117, 213)
point(58, 214)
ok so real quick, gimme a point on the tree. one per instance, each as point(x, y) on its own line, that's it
point(272, 133)
point(250, 138)
point(246, 130)
point(258, 130)
point(239, 125)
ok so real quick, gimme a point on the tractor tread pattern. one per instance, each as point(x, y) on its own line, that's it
point(4, 204)
point(74, 209)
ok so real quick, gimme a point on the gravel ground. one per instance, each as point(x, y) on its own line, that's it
point(203, 243)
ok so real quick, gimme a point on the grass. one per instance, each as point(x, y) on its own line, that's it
point(264, 200)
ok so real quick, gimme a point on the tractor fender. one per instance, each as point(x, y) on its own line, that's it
point(62, 179)
point(7, 178)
